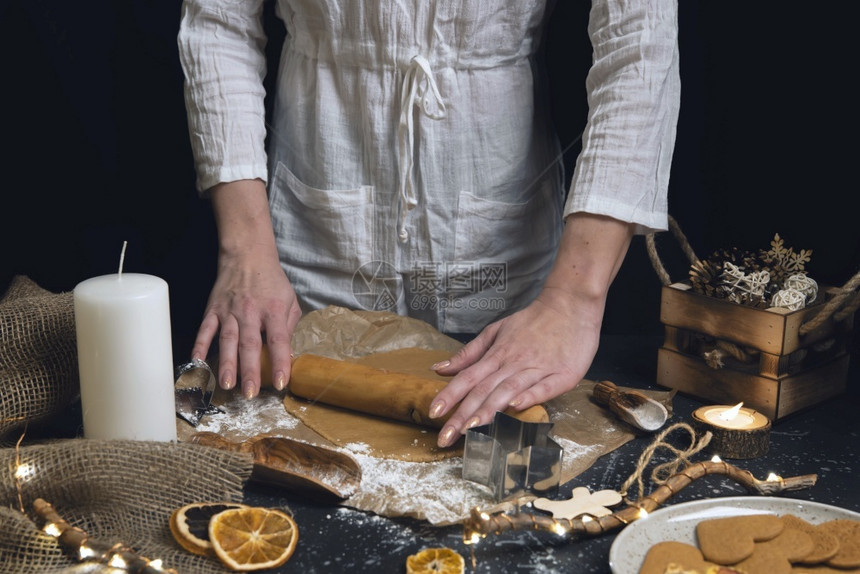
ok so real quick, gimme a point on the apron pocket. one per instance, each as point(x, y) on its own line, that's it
point(518, 235)
point(327, 229)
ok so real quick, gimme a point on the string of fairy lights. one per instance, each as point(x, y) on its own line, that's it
point(73, 539)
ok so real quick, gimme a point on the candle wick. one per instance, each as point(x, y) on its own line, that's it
point(122, 257)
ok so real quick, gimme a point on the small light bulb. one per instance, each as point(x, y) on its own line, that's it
point(773, 477)
point(586, 518)
point(23, 471)
point(716, 458)
point(642, 514)
point(52, 529)
point(117, 561)
point(85, 552)
point(156, 564)
point(559, 529)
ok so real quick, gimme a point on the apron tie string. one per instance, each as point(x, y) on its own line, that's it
point(419, 89)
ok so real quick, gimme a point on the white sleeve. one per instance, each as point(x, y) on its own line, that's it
point(634, 91)
point(222, 52)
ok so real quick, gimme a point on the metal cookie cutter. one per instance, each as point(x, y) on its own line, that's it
point(193, 390)
point(511, 457)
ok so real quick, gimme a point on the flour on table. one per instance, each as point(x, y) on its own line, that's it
point(265, 413)
point(433, 491)
point(573, 451)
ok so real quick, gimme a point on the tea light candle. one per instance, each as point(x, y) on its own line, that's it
point(730, 417)
point(125, 357)
point(738, 432)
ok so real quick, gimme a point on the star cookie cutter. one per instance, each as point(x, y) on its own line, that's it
point(512, 457)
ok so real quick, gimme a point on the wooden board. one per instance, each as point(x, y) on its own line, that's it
point(773, 397)
point(774, 331)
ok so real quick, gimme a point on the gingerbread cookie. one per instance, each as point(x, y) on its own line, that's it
point(822, 569)
point(775, 556)
point(730, 540)
point(848, 533)
point(676, 555)
point(824, 545)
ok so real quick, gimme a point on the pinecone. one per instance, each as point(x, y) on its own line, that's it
point(705, 277)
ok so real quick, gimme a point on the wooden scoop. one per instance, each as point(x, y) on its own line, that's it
point(280, 461)
point(632, 407)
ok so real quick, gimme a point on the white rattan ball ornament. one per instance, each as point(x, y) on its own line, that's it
point(791, 299)
point(803, 283)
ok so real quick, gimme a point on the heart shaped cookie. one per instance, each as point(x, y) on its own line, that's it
point(732, 539)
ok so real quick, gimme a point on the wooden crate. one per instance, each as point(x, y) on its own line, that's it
point(770, 367)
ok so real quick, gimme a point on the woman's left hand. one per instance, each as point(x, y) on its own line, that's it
point(545, 349)
point(522, 360)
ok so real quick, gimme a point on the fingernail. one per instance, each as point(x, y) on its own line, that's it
point(473, 422)
point(436, 409)
point(280, 381)
point(440, 365)
point(227, 383)
point(248, 389)
point(515, 403)
point(445, 437)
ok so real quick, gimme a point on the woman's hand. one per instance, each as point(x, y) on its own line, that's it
point(252, 296)
point(544, 350)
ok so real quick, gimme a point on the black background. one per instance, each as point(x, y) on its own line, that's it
point(96, 146)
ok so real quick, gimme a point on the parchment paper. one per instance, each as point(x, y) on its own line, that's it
point(433, 491)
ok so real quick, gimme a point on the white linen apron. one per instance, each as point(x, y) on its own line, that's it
point(412, 164)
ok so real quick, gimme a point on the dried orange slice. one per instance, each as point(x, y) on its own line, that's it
point(190, 524)
point(435, 561)
point(253, 538)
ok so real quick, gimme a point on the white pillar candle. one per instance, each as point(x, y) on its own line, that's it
point(125, 357)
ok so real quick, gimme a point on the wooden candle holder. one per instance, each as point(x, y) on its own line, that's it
point(750, 441)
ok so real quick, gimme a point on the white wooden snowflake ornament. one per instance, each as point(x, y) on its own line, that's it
point(582, 501)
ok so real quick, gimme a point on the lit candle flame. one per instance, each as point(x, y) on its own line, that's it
point(731, 413)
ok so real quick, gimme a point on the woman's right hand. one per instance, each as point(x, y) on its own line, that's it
point(252, 296)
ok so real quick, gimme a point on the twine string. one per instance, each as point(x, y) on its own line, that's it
point(841, 306)
point(663, 471)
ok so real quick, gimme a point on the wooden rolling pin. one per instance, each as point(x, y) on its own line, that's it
point(380, 392)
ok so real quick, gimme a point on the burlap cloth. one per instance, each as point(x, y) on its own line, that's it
point(397, 482)
point(116, 491)
point(38, 355)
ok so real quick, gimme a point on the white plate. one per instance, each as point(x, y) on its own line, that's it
point(678, 522)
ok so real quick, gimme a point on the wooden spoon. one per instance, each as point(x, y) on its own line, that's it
point(284, 462)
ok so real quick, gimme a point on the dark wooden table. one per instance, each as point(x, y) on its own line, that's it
point(822, 440)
